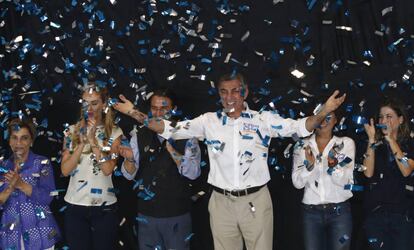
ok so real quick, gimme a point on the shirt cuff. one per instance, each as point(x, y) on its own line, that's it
point(309, 175)
point(125, 173)
point(302, 127)
point(167, 130)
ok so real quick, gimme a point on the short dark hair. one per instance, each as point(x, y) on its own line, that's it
point(17, 123)
point(232, 76)
point(167, 93)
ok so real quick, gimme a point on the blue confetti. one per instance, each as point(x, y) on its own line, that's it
point(360, 120)
point(372, 240)
point(310, 4)
point(137, 184)
point(141, 219)
point(352, 187)
point(404, 161)
point(63, 208)
point(345, 161)
point(188, 238)
point(146, 194)
point(96, 191)
point(40, 213)
point(344, 238)
point(82, 186)
point(57, 87)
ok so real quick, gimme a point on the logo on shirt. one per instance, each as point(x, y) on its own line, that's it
point(250, 128)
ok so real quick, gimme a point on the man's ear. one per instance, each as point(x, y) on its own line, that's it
point(245, 92)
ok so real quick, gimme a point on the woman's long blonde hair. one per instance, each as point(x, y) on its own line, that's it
point(107, 117)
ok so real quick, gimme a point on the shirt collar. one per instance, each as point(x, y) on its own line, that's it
point(10, 161)
point(330, 144)
point(246, 113)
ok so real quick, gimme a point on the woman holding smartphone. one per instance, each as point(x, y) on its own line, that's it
point(389, 165)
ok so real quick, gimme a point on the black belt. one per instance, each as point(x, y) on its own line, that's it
point(326, 206)
point(238, 193)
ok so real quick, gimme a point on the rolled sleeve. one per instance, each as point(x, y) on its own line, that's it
point(302, 127)
point(167, 130)
point(190, 164)
point(135, 150)
point(185, 129)
point(285, 127)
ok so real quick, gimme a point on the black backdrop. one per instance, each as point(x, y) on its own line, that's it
point(48, 49)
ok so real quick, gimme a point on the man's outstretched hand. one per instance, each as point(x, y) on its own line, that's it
point(124, 105)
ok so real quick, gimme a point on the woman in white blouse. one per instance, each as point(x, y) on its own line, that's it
point(323, 164)
point(89, 158)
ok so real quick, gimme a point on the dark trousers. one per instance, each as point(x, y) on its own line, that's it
point(327, 227)
point(164, 233)
point(91, 227)
point(389, 231)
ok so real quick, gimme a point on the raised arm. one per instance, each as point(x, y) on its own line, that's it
point(39, 193)
point(108, 164)
point(369, 156)
point(131, 156)
point(70, 160)
point(126, 107)
point(333, 102)
point(181, 130)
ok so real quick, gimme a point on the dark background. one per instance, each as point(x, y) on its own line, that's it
point(362, 47)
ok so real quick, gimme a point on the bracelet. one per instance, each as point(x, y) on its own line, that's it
point(374, 145)
point(130, 160)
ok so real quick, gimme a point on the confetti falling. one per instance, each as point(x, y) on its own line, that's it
point(76, 39)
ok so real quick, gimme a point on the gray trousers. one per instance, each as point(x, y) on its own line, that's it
point(170, 233)
point(233, 220)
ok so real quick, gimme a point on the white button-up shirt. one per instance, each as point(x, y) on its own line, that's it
point(237, 148)
point(320, 186)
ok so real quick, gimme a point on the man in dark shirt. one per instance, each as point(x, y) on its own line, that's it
point(163, 168)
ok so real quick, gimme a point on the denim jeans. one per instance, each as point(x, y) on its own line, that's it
point(327, 227)
point(91, 227)
point(389, 231)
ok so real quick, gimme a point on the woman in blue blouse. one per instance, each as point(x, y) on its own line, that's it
point(26, 182)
